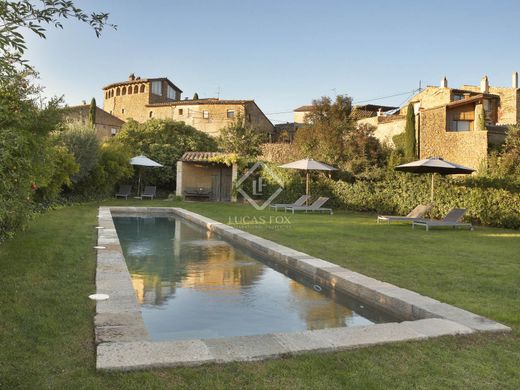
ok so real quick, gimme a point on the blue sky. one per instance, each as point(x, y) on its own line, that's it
point(282, 53)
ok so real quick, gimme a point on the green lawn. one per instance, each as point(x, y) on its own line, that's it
point(46, 320)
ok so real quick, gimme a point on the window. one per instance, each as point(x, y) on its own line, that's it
point(122, 111)
point(460, 125)
point(150, 114)
point(118, 91)
point(124, 91)
point(156, 88)
point(458, 97)
point(205, 114)
point(230, 114)
point(142, 88)
point(171, 93)
point(181, 111)
point(130, 89)
point(136, 89)
point(113, 132)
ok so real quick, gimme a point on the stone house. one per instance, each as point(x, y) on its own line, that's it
point(458, 124)
point(143, 99)
point(106, 124)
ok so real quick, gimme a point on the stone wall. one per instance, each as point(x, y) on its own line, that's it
point(385, 127)
point(129, 105)
point(467, 148)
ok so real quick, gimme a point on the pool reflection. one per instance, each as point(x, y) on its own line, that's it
point(194, 285)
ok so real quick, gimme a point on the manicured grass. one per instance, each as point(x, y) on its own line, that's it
point(46, 320)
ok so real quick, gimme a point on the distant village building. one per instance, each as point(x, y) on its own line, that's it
point(285, 132)
point(458, 124)
point(106, 125)
point(144, 99)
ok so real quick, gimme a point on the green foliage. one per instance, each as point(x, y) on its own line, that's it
point(112, 168)
point(482, 118)
point(195, 96)
point(92, 113)
point(81, 141)
point(398, 193)
point(164, 141)
point(20, 15)
point(27, 156)
point(328, 123)
point(409, 131)
point(60, 165)
point(241, 139)
point(362, 151)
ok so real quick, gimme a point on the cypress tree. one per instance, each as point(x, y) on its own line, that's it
point(409, 130)
point(482, 115)
point(195, 96)
point(92, 113)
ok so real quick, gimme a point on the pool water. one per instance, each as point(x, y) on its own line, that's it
point(192, 284)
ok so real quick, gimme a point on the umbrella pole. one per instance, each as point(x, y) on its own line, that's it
point(307, 187)
point(139, 182)
point(433, 176)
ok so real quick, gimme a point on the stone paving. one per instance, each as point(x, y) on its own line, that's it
point(123, 342)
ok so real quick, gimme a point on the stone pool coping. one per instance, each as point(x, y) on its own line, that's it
point(123, 342)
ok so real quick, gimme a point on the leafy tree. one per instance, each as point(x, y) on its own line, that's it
point(195, 96)
point(241, 139)
point(81, 141)
point(92, 113)
point(27, 158)
point(362, 150)
point(324, 135)
point(34, 15)
point(112, 168)
point(164, 141)
point(409, 130)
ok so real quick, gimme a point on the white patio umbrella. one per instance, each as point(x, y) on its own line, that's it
point(434, 165)
point(308, 164)
point(143, 161)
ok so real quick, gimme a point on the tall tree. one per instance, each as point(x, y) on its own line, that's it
point(409, 130)
point(92, 113)
point(195, 96)
point(34, 15)
point(324, 135)
point(241, 139)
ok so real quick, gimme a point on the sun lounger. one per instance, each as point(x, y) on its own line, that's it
point(149, 192)
point(299, 202)
point(316, 206)
point(124, 191)
point(413, 215)
point(451, 219)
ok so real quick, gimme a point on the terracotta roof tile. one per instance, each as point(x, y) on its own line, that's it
point(200, 156)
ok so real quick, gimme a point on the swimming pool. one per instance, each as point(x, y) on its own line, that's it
point(125, 343)
point(192, 284)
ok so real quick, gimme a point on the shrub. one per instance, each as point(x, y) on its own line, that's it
point(112, 168)
point(81, 141)
point(164, 141)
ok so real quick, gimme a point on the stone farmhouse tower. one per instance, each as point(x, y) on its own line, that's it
point(144, 99)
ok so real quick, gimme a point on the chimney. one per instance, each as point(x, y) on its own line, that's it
point(84, 102)
point(515, 79)
point(484, 85)
point(131, 77)
point(444, 82)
